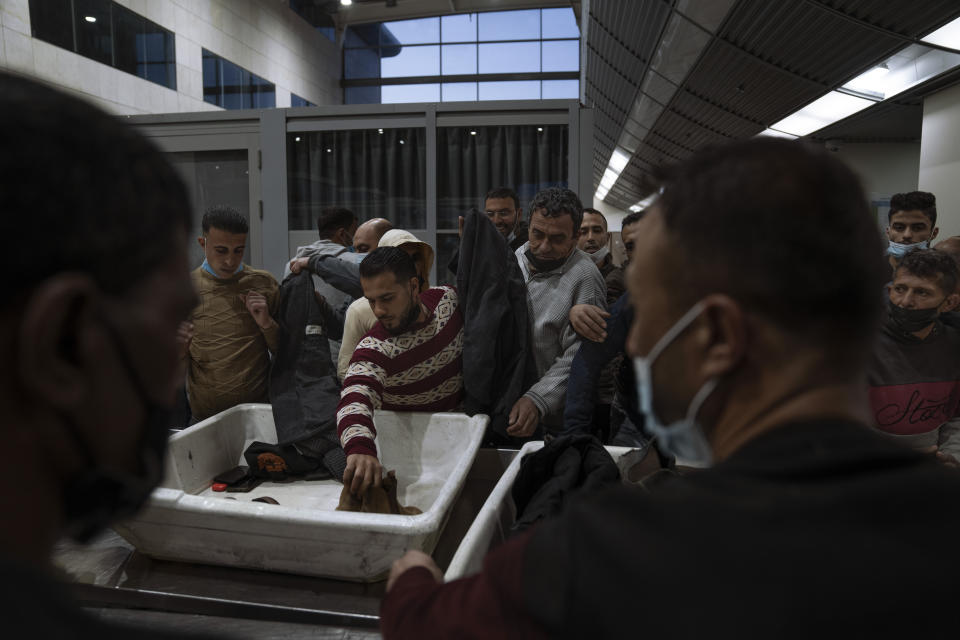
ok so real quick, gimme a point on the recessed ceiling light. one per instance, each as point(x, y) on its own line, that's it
point(473, 133)
point(346, 3)
point(90, 18)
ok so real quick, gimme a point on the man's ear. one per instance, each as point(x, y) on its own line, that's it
point(52, 335)
point(519, 214)
point(933, 234)
point(202, 242)
point(721, 335)
point(950, 303)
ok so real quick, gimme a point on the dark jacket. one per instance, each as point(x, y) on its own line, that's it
point(520, 235)
point(811, 529)
point(342, 274)
point(585, 370)
point(304, 389)
point(613, 278)
point(493, 300)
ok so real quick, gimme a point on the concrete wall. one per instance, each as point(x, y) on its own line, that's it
point(264, 37)
point(885, 169)
point(940, 157)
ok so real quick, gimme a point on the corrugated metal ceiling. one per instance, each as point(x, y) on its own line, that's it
point(766, 60)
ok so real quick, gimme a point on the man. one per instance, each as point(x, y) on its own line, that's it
point(367, 237)
point(502, 206)
point(912, 223)
point(951, 246)
point(589, 321)
point(336, 227)
point(808, 521)
point(558, 276)
point(232, 329)
point(410, 361)
point(89, 339)
point(914, 375)
point(604, 348)
point(595, 241)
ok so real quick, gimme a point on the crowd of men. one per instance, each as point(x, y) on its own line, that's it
point(743, 344)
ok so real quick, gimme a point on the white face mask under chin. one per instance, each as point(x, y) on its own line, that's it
point(683, 438)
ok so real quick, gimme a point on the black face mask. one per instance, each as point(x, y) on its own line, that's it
point(94, 498)
point(911, 320)
point(541, 265)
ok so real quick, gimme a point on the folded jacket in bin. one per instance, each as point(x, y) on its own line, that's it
point(381, 499)
point(282, 462)
point(548, 477)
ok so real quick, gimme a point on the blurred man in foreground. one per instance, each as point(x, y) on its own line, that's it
point(807, 522)
point(89, 342)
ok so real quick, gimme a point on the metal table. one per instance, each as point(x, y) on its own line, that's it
point(111, 579)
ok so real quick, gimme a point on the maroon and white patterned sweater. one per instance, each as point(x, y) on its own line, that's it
point(418, 370)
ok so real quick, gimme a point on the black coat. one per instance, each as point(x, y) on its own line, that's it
point(496, 349)
point(304, 388)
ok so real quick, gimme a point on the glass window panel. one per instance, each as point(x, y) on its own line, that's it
point(361, 95)
point(510, 90)
point(212, 90)
point(473, 160)
point(94, 35)
point(330, 33)
point(459, 28)
point(412, 61)
point(459, 92)
point(263, 93)
point(297, 101)
point(561, 89)
point(459, 59)
point(561, 55)
point(371, 173)
point(234, 86)
point(509, 25)
point(361, 63)
point(128, 28)
point(410, 93)
point(560, 23)
point(213, 177)
point(418, 31)
point(510, 57)
point(159, 61)
point(50, 23)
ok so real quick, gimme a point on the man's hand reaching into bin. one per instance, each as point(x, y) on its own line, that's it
point(362, 472)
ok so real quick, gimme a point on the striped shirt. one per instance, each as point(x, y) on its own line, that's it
point(418, 370)
point(550, 296)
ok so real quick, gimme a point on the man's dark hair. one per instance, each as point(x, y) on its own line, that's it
point(745, 220)
point(922, 201)
point(503, 192)
point(225, 218)
point(931, 264)
point(596, 213)
point(90, 193)
point(333, 218)
point(631, 218)
point(554, 202)
point(389, 259)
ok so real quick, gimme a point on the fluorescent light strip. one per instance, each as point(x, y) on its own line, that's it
point(946, 36)
point(618, 162)
point(823, 111)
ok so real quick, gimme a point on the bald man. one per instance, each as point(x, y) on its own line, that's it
point(368, 234)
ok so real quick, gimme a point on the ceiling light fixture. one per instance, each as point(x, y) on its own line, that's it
point(823, 111)
point(946, 36)
point(90, 18)
point(346, 3)
point(618, 162)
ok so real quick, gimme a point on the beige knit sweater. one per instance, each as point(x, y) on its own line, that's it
point(228, 360)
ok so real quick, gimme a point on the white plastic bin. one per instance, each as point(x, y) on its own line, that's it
point(498, 513)
point(186, 521)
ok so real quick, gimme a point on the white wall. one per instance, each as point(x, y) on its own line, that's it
point(940, 157)
point(885, 168)
point(262, 36)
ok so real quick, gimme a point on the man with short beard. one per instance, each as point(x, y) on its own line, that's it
point(410, 361)
point(594, 240)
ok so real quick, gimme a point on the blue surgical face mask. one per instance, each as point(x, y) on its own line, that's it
point(898, 250)
point(683, 438)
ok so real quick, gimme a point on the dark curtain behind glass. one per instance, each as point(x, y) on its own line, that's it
point(525, 157)
point(375, 175)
